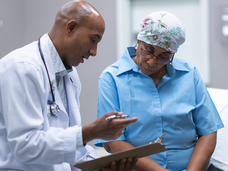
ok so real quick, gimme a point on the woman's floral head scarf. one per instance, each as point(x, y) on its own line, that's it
point(162, 29)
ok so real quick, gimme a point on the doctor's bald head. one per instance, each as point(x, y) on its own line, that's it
point(77, 29)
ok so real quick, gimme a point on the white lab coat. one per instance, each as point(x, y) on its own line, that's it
point(30, 138)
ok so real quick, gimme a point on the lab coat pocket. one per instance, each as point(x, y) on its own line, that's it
point(60, 119)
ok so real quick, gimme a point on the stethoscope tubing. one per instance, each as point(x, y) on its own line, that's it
point(53, 105)
point(42, 57)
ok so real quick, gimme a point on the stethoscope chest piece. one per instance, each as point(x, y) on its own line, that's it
point(54, 109)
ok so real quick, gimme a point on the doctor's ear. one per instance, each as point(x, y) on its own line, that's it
point(71, 26)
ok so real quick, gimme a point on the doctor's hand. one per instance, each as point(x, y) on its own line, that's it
point(123, 165)
point(106, 129)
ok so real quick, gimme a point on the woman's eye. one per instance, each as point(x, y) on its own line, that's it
point(149, 52)
point(145, 52)
point(165, 55)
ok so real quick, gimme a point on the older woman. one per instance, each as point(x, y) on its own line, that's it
point(166, 94)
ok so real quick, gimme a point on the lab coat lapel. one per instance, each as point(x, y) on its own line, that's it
point(71, 87)
point(49, 63)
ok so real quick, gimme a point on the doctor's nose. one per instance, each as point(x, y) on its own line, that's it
point(93, 51)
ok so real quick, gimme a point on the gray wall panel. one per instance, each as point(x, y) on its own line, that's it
point(39, 17)
point(106, 54)
point(12, 29)
point(218, 48)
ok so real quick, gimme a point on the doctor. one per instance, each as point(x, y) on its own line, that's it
point(40, 124)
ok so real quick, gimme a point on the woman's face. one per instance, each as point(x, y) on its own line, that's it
point(151, 59)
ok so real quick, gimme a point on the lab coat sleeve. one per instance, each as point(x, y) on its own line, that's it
point(89, 155)
point(23, 92)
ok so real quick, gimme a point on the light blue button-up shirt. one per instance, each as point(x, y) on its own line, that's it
point(180, 108)
point(60, 72)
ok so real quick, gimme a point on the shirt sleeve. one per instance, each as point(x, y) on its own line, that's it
point(205, 115)
point(22, 91)
point(107, 100)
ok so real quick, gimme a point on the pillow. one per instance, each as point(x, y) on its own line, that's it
point(220, 99)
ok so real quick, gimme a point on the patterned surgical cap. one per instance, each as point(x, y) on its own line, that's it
point(162, 29)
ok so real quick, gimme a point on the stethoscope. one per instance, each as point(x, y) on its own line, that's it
point(54, 108)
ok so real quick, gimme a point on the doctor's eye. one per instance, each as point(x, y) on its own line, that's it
point(93, 40)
